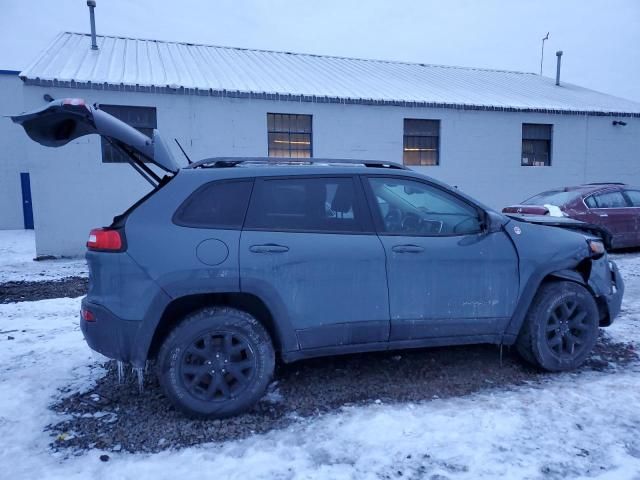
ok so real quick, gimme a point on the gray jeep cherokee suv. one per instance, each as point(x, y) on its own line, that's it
point(228, 262)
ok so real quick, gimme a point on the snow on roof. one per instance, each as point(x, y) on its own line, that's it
point(131, 64)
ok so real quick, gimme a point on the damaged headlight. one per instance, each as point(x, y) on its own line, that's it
point(596, 248)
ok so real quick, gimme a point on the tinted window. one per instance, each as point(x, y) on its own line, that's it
point(304, 204)
point(415, 208)
point(216, 205)
point(634, 197)
point(608, 200)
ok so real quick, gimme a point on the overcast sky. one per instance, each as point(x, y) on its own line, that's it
point(600, 39)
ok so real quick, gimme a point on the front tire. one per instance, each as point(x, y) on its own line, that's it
point(561, 327)
point(216, 363)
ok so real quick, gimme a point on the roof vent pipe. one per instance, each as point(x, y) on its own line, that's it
point(559, 55)
point(92, 5)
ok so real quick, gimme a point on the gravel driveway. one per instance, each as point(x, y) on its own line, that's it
point(116, 416)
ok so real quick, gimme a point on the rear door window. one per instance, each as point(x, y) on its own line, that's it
point(607, 200)
point(316, 204)
point(221, 204)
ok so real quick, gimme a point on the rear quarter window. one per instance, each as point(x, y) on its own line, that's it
point(591, 202)
point(221, 204)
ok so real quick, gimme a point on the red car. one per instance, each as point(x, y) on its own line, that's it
point(614, 206)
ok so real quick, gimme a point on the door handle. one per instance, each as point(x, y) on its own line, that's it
point(268, 248)
point(407, 249)
point(603, 214)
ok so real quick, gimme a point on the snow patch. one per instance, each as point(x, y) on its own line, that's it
point(554, 211)
point(17, 253)
point(575, 425)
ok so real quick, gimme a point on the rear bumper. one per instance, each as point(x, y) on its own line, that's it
point(108, 334)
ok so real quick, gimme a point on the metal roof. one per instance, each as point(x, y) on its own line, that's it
point(130, 64)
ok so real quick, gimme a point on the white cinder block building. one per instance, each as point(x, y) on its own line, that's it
point(498, 135)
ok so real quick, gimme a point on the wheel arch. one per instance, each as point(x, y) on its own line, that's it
point(570, 275)
point(180, 307)
point(579, 274)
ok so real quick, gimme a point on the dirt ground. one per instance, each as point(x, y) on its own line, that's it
point(23, 291)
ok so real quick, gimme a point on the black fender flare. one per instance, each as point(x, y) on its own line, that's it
point(146, 332)
point(571, 275)
point(533, 285)
point(282, 323)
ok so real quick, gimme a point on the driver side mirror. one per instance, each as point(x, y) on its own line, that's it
point(493, 221)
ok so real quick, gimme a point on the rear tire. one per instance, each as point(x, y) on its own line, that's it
point(561, 327)
point(216, 363)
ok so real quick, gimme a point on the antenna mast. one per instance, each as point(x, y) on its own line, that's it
point(546, 37)
point(183, 152)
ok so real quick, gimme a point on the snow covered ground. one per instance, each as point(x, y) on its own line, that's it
point(17, 251)
point(576, 425)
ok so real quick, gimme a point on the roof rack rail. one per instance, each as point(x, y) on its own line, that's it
point(606, 183)
point(228, 162)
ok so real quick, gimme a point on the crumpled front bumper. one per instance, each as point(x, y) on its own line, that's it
point(607, 285)
point(616, 292)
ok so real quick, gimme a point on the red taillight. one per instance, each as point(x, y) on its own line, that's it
point(104, 239)
point(74, 101)
point(87, 315)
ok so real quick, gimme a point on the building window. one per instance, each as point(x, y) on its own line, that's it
point(289, 135)
point(142, 119)
point(536, 145)
point(421, 142)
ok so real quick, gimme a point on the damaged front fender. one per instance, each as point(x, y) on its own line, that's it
point(549, 252)
point(571, 275)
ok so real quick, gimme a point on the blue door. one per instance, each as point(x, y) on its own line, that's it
point(307, 245)
point(447, 277)
point(27, 207)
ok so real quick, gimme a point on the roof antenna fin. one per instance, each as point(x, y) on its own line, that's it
point(183, 152)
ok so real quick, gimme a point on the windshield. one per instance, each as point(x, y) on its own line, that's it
point(556, 197)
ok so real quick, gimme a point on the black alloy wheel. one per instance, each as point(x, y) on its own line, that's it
point(218, 366)
point(217, 362)
point(568, 328)
point(560, 328)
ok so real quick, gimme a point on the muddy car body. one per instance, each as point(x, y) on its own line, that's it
point(227, 263)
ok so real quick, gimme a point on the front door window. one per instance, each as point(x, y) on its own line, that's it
point(409, 207)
